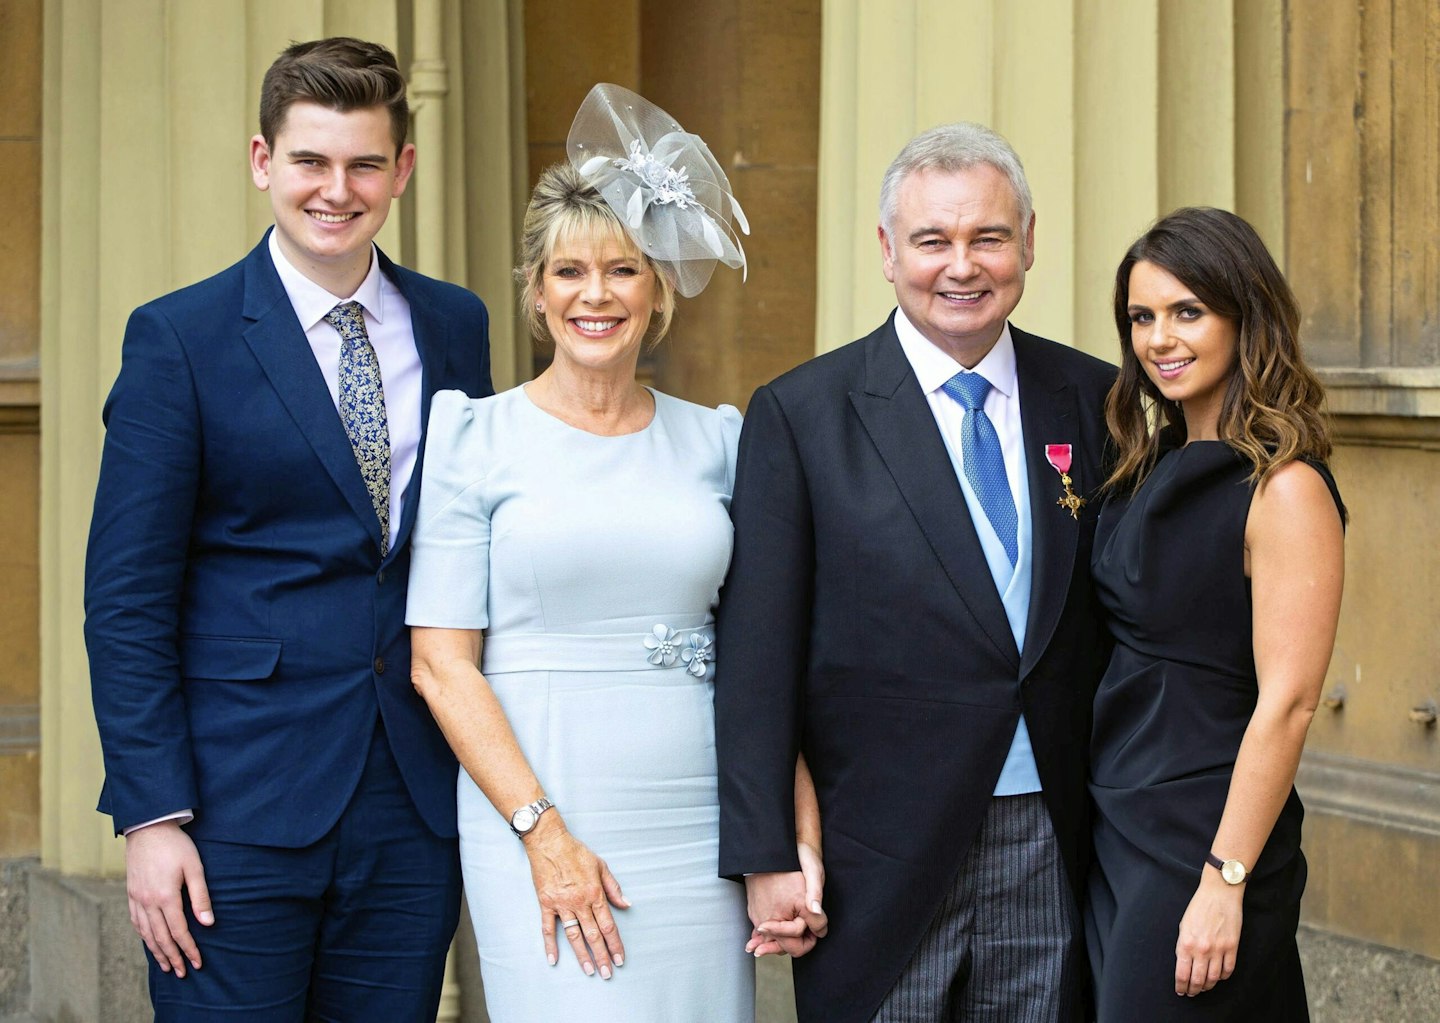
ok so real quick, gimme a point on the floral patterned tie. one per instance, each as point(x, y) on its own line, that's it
point(362, 409)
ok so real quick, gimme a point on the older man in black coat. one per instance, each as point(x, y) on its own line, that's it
point(909, 605)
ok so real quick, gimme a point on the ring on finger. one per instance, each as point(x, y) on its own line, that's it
point(567, 924)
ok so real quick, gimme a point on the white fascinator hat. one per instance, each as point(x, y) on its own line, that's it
point(662, 183)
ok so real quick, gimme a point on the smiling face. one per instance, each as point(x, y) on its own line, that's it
point(1186, 349)
point(597, 294)
point(331, 177)
point(957, 255)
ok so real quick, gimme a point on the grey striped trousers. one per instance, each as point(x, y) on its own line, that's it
point(1002, 946)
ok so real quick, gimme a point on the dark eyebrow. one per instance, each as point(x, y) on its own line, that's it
point(308, 154)
point(1179, 303)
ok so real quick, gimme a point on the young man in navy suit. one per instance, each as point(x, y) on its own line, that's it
point(277, 780)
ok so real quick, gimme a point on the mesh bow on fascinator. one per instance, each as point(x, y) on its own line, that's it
point(662, 183)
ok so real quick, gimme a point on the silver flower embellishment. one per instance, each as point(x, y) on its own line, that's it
point(698, 650)
point(668, 184)
point(663, 645)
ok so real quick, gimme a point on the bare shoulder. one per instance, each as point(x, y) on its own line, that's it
point(1294, 486)
point(1295, 499)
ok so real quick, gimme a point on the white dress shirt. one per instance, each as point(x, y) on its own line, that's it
point(933, 367)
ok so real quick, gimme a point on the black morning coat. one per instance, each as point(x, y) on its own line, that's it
point(860, 623)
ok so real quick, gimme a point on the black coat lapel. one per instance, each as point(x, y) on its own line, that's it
point(897, 417)
point(1048, 415)
point(279, 345)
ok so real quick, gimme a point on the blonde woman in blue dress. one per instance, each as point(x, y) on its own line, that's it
point(572, 537)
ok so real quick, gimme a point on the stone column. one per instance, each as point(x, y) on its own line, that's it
point(1120, 111)
point(486, 178)
point(148, 109)
point(1361, 155)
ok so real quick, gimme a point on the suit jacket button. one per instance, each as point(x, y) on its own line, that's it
point(379, 665)
point(380, 577)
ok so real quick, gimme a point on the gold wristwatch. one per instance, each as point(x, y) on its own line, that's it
point(1233, 871)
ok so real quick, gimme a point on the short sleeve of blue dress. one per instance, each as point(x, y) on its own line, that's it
point(730, 423)
point(450, 547)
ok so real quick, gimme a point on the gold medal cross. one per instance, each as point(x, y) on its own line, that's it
point(1070, 499)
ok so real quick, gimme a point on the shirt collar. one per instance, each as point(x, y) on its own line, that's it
point(311, 302)
point(933, 367)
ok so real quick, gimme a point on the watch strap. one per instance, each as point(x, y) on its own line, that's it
point(536, 808)
point(1220, 865)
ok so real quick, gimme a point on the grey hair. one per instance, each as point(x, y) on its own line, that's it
point(950, 148)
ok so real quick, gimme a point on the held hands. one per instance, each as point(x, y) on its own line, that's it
point(575, 885)
point(785, 907)
point(160, 860)
point(1209, 935)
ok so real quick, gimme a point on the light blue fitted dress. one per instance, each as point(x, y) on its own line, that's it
point(593, 565)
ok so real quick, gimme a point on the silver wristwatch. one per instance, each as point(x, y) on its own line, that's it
point(523, 820)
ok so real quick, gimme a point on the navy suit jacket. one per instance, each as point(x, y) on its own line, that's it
point(860, 622)
point(244, 633)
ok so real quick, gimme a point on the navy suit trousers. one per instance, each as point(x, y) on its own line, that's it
point(352, 928)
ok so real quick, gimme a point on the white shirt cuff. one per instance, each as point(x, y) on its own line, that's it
point(183, 816)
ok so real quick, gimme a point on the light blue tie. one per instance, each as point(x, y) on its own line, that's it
point(984, 462)
point(362, 409)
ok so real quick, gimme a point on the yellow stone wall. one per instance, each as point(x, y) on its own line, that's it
point(1120, 109)
point(20, 146)
point(1362, 204)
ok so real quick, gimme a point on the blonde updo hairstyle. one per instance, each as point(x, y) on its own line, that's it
point(565, 206)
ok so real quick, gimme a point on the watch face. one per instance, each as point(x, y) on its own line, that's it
point(1233, 871)
point(524, 819)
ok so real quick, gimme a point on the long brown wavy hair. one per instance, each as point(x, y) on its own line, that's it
point(1273, 409)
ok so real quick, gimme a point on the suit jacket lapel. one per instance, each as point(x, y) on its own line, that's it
point(897, 417)
point(1048, 415)
point(279, 345)
point(431, 341)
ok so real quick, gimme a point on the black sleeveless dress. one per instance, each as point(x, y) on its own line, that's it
point(1170, 712)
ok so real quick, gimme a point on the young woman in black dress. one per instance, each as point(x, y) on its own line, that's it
point(1219, 559)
